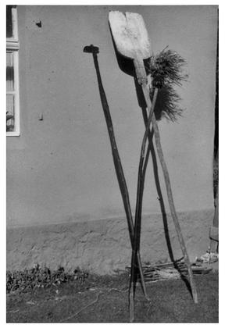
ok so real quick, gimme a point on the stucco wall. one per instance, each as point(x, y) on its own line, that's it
point(104, 248)
point(60, 169)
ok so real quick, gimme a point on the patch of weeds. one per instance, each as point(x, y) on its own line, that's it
point(38, 277)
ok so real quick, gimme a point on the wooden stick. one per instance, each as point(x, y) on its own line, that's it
point(138, 212)
point(170, 196)
point(172, 207)
point(116, 158)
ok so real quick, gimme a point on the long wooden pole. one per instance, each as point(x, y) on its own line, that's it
point(169, 192)
point(172, 207)
point(138, 212)
point(116, 158)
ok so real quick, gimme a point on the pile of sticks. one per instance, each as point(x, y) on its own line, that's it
point(172, 270)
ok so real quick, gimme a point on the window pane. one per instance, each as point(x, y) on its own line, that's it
point(9, 71)
point(12, 96)
point(10, 109)
point(9, 22)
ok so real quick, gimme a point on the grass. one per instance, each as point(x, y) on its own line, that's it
point(105, 299)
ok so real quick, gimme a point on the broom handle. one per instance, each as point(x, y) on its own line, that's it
point(170, 195)
point(142, 79)
point(172, 206)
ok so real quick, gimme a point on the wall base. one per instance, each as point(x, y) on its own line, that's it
point(103, 246)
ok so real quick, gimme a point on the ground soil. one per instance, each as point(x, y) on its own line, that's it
point(105, 300)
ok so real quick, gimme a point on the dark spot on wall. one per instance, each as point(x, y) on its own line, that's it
point(39, 24)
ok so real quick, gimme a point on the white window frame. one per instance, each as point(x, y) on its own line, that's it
point(12, 45)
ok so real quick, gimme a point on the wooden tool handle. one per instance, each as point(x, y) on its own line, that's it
point(140, 71)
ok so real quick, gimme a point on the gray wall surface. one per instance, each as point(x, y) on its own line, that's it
point(60, 169)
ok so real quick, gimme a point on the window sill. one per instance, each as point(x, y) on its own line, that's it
point(13, 134)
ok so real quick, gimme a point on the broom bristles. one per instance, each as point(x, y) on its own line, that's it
point(166, 69)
